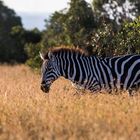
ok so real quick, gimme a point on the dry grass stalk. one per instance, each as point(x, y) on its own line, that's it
point(28, 114)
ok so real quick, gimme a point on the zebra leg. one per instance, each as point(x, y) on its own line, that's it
point(130, 92)
point(79, 89)
point(134, 89)
point(133, 92)
point(77, 86)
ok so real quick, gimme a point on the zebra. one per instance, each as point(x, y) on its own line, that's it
point(89, 71)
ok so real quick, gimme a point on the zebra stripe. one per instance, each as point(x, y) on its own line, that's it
point(91, 72)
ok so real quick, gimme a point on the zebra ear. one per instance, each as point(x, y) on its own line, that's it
point(41, 56)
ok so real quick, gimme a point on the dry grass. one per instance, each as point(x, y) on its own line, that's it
point(28, 114)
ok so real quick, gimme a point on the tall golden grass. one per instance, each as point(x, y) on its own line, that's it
point(64, 114)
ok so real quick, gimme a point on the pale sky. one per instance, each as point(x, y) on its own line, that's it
point(38, 6)
point(34, 12)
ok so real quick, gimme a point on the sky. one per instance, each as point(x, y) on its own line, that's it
point(33, 12)
point(39, 6)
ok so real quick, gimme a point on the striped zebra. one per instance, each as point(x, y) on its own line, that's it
point(90, 72)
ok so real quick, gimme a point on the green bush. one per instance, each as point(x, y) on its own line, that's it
point(107, 41)
point(33, 50)
point(128, 38)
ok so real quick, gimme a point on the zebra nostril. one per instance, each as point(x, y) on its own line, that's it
point(43, 83)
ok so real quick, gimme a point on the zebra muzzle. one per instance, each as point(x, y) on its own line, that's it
point(45, 88)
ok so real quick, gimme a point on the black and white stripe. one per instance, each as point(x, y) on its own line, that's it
point(91, 72)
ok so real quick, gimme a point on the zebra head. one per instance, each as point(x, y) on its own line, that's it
point(49, 71)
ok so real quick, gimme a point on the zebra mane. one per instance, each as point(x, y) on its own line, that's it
point(58, 50)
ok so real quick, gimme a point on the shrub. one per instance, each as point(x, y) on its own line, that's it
point(108, 41)
point(33, 50)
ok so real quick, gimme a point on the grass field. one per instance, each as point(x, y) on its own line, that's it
point(64, 114)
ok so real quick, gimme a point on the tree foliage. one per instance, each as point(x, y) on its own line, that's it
point(117, 10)
point(9, 48)
point(92, 28)
point(70, 26)
point(109, 42)
point(105, 28)
point(128, 38)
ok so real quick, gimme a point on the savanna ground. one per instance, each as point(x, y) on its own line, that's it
point(64, 114)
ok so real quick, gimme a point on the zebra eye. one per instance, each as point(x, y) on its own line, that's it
point(50, 67)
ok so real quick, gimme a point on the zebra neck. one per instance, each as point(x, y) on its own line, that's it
point(68, 74)
point(64, 71)
point(70, 66)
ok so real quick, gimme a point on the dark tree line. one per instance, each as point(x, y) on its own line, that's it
point(13, 36)
point(8, 47)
